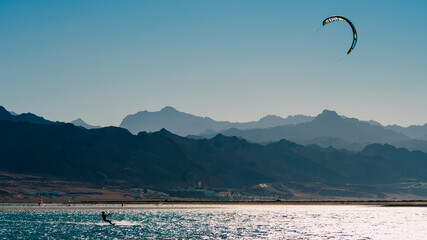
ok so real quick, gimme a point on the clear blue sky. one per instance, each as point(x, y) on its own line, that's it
point(232, 60)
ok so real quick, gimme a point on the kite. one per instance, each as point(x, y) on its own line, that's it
point(340, 18)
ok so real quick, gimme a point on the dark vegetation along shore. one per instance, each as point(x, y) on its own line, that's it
point(62, 161)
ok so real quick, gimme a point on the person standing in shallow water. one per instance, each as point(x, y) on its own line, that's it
point(104, 217)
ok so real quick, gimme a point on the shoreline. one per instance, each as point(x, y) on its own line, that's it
point(404, 203)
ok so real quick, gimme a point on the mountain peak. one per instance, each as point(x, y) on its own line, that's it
point(78, 120)
point(222, 139)
point(4, 114)
point(271, 117)
point(168, 109)
point(80, 123)
point(378, 149)
point(328, 115)
point(24, 117)
point(163, 131)
point(329, 112)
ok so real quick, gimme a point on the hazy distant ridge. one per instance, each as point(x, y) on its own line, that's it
point(326, 124)
point(413, 131)
point(80, 123)
point(185, 124)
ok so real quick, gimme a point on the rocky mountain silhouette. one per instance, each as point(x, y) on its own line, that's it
point(413, 131)
point(328, 124)
point(24, 117)
point(164, 160)
point(185, 124)
point(329, 129)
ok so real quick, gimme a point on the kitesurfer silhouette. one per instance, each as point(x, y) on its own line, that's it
point(104, 217)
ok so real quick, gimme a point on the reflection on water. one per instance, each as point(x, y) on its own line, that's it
point(212, 221)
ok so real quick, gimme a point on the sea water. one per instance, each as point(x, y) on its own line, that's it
point(212, 222)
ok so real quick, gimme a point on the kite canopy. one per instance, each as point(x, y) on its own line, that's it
point(340, 18)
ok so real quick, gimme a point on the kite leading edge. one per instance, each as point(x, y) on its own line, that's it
point(340, 18)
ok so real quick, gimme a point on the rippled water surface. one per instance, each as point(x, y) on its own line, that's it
point(212, 222)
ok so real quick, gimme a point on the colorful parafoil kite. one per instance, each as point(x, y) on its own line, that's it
point(340, 18)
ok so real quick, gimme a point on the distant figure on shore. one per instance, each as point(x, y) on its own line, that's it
point(40, 200)
point(104, 217)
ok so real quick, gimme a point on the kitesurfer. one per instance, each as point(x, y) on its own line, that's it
point(104, 217)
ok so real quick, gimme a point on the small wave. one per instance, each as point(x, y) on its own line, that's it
point(87, 223)
point(127, 223)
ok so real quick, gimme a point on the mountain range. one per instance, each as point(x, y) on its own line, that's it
point(185, 124)
point(328, 124)
point(164, 161)
point(233, 159)
point(24, 117)
point(328, 129)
